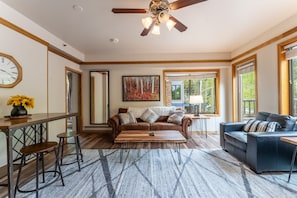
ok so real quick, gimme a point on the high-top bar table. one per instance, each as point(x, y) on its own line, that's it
point(36, 124)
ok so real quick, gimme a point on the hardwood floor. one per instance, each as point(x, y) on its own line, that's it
point(103, 140)
point(91, 140)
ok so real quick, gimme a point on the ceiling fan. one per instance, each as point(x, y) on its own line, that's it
point(159, 10)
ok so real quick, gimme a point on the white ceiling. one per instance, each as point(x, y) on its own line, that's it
point(213, 25)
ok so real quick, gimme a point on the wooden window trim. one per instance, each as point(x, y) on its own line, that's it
point(217, 84)
point(283, 78)
point(252, 58)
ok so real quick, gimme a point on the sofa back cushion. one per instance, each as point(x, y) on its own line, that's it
point(262, 116)
point(137, 111)
point(286, 122)
point(163, 110)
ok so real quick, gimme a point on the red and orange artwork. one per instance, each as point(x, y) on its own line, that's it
point(141, 88)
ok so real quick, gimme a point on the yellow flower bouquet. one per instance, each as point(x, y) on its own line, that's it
point(21, 100)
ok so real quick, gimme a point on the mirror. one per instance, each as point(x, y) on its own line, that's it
point(99, 97)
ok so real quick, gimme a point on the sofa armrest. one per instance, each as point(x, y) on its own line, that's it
point(114, 123)
point(265, 149)
point(229, 127)
point(186, 122)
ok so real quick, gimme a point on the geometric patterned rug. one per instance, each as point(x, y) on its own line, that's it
point(149, 173)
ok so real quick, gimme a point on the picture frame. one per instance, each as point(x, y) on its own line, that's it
point(141, 88)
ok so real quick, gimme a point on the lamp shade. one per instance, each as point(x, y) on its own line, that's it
point(170, 24)
point(196, 99)
point(156, 29)
point(146, 22)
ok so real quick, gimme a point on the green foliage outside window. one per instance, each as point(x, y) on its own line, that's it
point(248, 93)
point(206, 88)
point(293, 64)
point(248, 86)
point(176, 92)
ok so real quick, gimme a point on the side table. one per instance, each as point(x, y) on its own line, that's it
point(291, 140)
point(203, 122)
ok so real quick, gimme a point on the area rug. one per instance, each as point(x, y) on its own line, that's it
point(150, 173)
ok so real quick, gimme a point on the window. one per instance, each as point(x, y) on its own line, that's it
point(293, 86)
point(244, 88)
point(183, 84)
point(291, 57)
point(176, 92)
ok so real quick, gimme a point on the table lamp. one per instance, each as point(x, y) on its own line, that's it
point(196, 100)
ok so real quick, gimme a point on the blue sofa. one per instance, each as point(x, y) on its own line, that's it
point(261, 151)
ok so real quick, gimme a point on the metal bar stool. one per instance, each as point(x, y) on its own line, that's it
point(39, 149)
point(78, 153)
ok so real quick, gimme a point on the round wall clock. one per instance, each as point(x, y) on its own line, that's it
point(10, 71)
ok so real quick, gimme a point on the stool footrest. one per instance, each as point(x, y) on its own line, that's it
point(56, 177)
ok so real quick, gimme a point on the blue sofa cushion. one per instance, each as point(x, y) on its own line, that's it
point(262, 116)
point(237, 139)
point(286, 122)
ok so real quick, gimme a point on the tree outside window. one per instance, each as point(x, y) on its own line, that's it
point(176, 92)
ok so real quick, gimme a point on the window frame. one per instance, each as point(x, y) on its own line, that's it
point(217, 85)
point(284, 106)
point(252, 59)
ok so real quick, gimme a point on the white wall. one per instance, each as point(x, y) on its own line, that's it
point(32, 56)
point(117, 71)
point(43, 79)
point(21, 21)
point(267, 63)
point(57, 90)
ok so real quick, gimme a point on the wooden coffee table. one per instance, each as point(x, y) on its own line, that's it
point(139, 136)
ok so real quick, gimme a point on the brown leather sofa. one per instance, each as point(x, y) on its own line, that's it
point(160, 124)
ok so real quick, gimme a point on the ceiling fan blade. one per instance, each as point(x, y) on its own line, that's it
point(183, 3)
point(129, 11)
point(179, 25)
point(146, 31)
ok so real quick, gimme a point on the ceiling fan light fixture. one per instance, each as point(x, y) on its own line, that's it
point(163, 16)
point(146, 22)
point(156, 29)
point(170, 24)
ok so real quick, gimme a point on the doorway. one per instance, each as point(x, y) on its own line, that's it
point(73, 97)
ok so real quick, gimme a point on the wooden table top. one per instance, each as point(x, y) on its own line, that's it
point(192, 116)
point(7, 123)
point(139, 136)
point(291, 140)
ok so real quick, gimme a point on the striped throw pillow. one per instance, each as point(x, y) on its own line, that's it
point(260, 126)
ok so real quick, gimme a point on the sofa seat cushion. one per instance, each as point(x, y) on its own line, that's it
point(237, 139)
point(165, 126)
point(136, 126)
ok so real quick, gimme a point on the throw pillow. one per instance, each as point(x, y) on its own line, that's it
point(149, 116)
point(265, 126)
point(260, 126)
point(248, 125)
point(127, 118)
point(176, 118)
point(163, 110)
